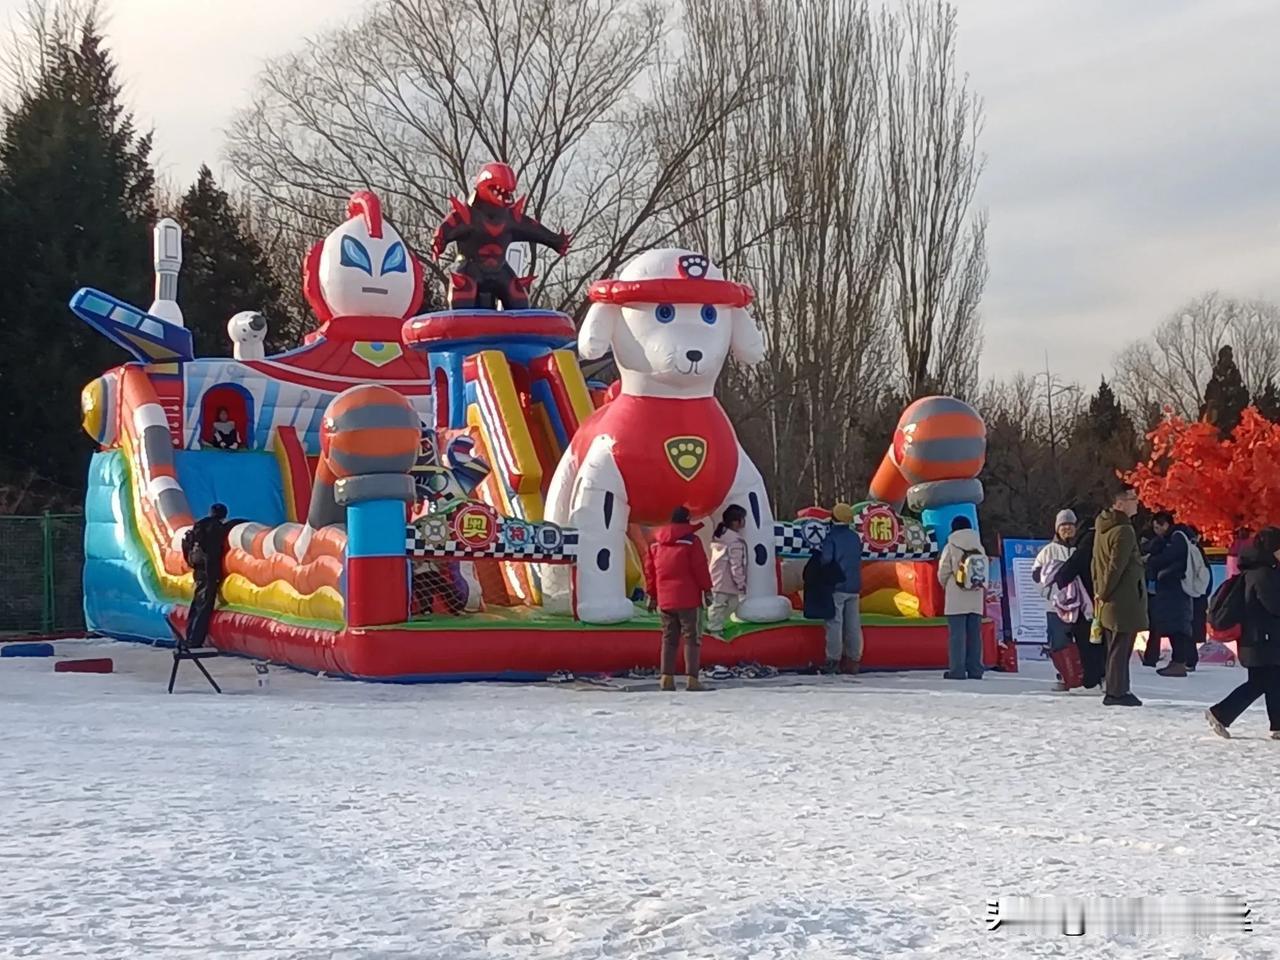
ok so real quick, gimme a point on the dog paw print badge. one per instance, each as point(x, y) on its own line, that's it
point(693, 266)
point(687, 455)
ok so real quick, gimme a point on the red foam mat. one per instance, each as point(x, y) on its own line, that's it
point(95, 665)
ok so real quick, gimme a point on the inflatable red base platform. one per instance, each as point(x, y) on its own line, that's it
point(438, 651)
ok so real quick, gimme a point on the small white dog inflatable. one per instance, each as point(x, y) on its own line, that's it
point(248, 332)
point(671, 320)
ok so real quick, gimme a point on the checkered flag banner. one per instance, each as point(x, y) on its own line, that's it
point(800, 539)
point(516, 541)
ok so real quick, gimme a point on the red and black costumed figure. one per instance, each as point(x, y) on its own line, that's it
point(483, 228)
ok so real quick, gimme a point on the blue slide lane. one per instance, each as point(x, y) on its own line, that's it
point(121, 593)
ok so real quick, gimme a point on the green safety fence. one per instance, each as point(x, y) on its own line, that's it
point(41, 562)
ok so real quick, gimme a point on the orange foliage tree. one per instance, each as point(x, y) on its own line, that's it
point(1214, 484)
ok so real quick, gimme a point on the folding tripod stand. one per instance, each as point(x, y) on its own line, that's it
point(196, 655)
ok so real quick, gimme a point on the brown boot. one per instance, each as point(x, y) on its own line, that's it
point(850, 666)
point(666, 682)
point(694, 685)
point(1173, 670)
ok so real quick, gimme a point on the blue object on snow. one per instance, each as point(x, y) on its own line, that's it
point(26, 650)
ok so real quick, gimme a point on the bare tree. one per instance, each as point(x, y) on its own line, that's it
point(1172, 368)
point(41, 25)
point(805, 226)
point(413, 98)
point(1033, 468)
point(929, 167)
point(824, 154)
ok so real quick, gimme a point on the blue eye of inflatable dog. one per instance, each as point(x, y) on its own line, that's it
point(355, 255)
point(394, 261)
point(665, 313)
point(708, 313)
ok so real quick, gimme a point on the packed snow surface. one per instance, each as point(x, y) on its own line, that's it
point(792, 817)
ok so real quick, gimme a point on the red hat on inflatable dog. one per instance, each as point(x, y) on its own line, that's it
point(685, 278)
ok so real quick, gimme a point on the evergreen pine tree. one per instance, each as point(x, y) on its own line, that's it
point(1106, 417)
point(1268, 401)
point(76, 207)
point(1225, 395)
point(224, 269)
point(1103, 442)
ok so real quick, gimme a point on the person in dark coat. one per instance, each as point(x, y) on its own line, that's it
point(820, 579)
point(1259, 644)
point(1170, 604)
point(1093, 656)
point(1199, 605)
point(842, 550)
point(204, 547)
point(1120, 591)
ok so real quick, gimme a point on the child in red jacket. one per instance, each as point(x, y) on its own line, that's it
point(678, 579)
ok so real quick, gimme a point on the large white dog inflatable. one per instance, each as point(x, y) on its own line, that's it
point(671, 319)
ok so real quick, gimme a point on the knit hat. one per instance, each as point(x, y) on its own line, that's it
point(1064, 516)
point(842, 513)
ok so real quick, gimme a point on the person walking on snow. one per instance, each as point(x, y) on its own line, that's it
point(1170, 611)
point(1120, 592)
point(1070, 608)
point(203, 548)
point(965, 599)
point(1199, 605)
point(1259, 644)
point(842, 552)
point(677, 580)
point(728, 569)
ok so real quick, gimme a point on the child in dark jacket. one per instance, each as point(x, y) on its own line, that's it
point(677, 579)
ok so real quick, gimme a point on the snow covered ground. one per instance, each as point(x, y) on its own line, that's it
point(793, 818)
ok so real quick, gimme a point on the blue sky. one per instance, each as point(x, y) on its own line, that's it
point(1133, 147)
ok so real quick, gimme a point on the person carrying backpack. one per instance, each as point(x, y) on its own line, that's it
point(1069, 609)
point(678, 579)
point(203, 548)
point(1251, 599)
point(1176, 569)
point(1078, 567)
point(962, 570)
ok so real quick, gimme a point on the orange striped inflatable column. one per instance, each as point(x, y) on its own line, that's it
point(369, 444)
point(938, 450)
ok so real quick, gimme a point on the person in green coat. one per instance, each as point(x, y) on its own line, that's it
point(1120, 587)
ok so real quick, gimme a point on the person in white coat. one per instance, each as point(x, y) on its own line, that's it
point(962, 570)
point(1069, 608)
point(728, 569)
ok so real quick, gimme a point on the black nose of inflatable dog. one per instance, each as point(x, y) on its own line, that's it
point(694, 355)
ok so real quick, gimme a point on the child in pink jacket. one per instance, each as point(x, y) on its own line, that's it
point(728, 568)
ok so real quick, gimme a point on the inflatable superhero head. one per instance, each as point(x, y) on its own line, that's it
point(495, 184)
point(671, 319)
point(363, 268)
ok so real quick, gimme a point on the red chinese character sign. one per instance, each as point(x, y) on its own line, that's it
point(475, 526)
point(879, 527)
point(885, 533)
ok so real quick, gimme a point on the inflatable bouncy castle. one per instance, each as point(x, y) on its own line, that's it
point(445, 495)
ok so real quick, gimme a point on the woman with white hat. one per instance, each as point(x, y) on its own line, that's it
point(1069, 608)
